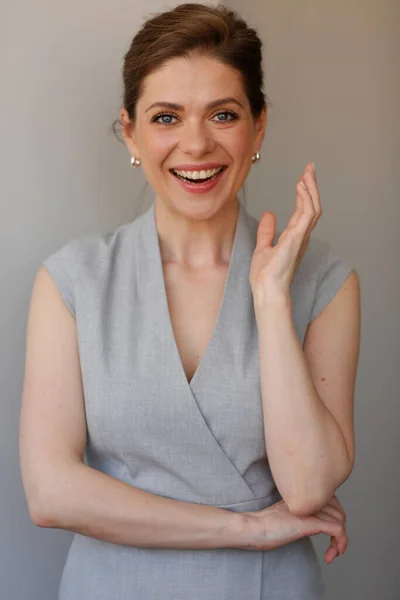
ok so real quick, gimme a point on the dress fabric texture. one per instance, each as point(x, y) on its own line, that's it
point(200, 442)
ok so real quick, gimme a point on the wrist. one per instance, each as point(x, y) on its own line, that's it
point(250, 535)
point(272, 299)
point(272, 304)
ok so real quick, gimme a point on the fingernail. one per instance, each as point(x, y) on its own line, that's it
point(302, 183)
point(313, 166)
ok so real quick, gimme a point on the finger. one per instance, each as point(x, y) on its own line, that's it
point(311, 183)
point(266, 231)
point(330, 555)
point(334, 512)
point(340, 540)
point(336, 548)
point(299, 207)
point(341, 543)
point(331, 552)
point(335, 503)
point(334, 519)
point(328, 527)
point(303, 219)
point(308, 179)
point(297, 212)
point(328, 517)
point(307, 217)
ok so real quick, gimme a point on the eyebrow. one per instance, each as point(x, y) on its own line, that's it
point(212, 104)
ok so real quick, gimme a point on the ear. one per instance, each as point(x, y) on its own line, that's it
point(128, 133)
point(260, 127)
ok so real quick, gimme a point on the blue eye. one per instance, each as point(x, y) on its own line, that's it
point(162, 116)
point(226, 112)
point(165, 118)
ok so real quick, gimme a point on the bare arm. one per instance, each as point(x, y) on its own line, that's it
point(308, 397)
point(64, 493)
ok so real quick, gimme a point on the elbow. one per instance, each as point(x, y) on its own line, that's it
point(48, 501)
point(41, 518)
point(41, 510)
point(303, 510)
point(309, 507)
point(315, 502)
point(38, 518)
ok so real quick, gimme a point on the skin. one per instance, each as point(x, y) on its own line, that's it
point(273, 267)
point(197, 229)
point(197, 135)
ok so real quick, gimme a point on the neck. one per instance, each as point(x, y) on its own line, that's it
point(196, 240)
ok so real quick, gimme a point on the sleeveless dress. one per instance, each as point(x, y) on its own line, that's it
point(200, 442)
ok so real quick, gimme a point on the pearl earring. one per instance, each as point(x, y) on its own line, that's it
point(135, 162)
point(255, 158)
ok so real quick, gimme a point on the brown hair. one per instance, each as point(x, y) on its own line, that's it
point(189, 29)
point(194, 29)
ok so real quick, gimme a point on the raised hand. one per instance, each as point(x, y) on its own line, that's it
point(273, 267)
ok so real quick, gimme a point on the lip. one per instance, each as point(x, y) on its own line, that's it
point(200, 188)
point(201, 167)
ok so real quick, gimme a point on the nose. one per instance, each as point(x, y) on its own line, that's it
point(195, 138)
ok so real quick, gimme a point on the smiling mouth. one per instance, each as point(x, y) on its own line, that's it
point(198, 179)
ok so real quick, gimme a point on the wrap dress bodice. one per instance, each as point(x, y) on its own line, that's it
point(200, 441)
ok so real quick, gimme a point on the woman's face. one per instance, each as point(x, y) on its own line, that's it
point(210, 127)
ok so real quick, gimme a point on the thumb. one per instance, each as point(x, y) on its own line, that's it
point(266, 231)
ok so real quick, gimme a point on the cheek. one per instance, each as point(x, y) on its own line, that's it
point(156, 144)
point(237, 140)
point(158, 149)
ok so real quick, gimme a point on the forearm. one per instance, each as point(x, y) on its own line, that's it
point(306, 449)
point(86, 501)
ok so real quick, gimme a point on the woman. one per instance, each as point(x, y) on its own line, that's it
point(188, 394)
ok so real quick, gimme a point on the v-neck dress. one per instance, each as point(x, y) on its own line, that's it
point(200, 441)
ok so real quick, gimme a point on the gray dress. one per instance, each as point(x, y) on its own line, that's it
point(200, 442)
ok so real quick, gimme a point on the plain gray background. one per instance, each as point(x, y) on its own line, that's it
point(332, 76)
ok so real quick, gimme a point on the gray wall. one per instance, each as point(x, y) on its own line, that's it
point(332, 78)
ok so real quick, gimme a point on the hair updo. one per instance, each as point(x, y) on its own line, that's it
point(191, 29)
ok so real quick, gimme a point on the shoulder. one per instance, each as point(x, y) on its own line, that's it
point(94, 251)
point(92, 248)
point(315, 257)
point(87, 261)
point(324, 269)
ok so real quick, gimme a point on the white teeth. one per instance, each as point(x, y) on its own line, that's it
point(198, 174)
